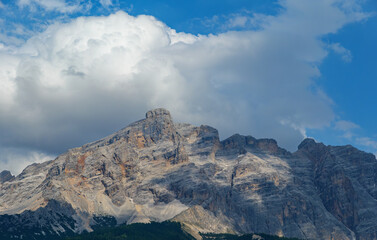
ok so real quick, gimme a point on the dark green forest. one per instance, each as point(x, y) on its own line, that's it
point(212, 236)
point(137, 231)
point(158, 231)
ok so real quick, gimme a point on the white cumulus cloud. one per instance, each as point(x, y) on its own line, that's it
point(82, 80)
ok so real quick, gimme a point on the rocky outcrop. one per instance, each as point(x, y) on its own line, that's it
point(156, 170)
point(50, 221)
point(238, 144)
point(196, 220)
point(5, 176)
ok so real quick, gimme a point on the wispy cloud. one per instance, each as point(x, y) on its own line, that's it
point(106, 3)
point(354, 135)
point(345, 54)
point(345, 125)
point(347, 128)
point(10, 40)
point(368, 142)
point(52, 5)
point(243, 20)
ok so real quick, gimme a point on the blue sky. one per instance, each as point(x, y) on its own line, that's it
point(75, 71)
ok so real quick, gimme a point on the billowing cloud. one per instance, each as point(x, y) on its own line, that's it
point(82, 80)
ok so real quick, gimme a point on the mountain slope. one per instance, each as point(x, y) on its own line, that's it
point(156, 170)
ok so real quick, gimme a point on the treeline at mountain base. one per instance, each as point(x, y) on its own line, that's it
point(159, 231)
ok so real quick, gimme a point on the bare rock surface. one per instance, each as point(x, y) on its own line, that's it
point(5, 176)
point(157, 170)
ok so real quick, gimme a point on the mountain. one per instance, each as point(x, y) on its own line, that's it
point(157, 170)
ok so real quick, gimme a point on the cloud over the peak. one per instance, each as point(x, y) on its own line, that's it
point(81, 80)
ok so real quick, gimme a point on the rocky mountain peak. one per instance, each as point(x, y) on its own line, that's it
point(307, 143)
point(158, 113)
point(156, 170)
point(240, 144)
point(5, 176)
point(313, 150)
point(311, 147)
point(159, 125)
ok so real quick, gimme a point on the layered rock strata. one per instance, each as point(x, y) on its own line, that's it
point(156, 170)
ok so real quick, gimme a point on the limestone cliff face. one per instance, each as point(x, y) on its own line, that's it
point(156, 170)
point(346, 180)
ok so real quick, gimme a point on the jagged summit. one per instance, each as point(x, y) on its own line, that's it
point(243, 143)
point(307, 143)
point(156, 170)
point(158, 112)
point(5, 176)
point(158, 125)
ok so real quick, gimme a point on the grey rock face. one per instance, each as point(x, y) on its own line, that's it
point(5, 176)
point(156, 170)
point(346, 179)
point(34, 223)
